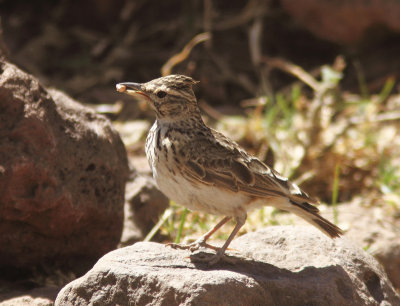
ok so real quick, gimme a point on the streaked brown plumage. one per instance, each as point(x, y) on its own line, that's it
point(204, 170)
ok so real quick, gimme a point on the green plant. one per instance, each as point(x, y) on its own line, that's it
point(335, 193)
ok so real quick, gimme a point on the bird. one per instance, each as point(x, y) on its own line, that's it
point(203, 170)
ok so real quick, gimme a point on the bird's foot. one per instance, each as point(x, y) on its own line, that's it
point(212, 259)
point(194, 246)
point(207, 258)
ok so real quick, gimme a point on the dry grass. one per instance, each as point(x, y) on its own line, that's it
point(337, 145)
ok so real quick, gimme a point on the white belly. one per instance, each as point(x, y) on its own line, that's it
point(204, 198)
point(197, 197)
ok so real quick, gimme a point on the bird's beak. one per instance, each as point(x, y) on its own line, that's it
point(132, 89)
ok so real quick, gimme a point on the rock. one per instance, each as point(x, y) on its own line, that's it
point(387, 252)
point(63, 170)
point(282, 265)
point(144, 205)
point(345, 22)
point(375, 229)
point(44, 296)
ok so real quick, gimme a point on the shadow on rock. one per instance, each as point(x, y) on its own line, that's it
point(282, 265)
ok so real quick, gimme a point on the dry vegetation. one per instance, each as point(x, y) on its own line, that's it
point(337, 145)
point(301, 104)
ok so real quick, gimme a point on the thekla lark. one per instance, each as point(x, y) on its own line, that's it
point(205, 171)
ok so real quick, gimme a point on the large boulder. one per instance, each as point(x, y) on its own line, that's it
point(283, 265)
point(345, 22)
point(63, 170)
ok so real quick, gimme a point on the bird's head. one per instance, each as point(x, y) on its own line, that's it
point(171, 97)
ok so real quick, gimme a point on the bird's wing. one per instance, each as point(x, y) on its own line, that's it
point(225, 164)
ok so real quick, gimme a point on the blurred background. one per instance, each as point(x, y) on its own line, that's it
point(85, 47)
point(309, 87)
point(269, 60)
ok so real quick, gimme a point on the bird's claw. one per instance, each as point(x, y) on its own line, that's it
point(209, 259)
point(194, 246)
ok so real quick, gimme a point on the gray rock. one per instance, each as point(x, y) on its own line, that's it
point(43, 296)
point(281, 265)
point(371, 226)
point(376, 229)
point(144, 205)
point(63, 170)
point(388, 254)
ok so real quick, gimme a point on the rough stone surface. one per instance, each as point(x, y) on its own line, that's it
point(143, 207)
point(387, 252)
point(373, 229)
point(63, 170)
point(281, 265)
point(345, 22)
point(371, 226)
point(44, 296)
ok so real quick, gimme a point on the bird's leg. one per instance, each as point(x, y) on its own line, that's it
point(240, 220)
point(201, 242)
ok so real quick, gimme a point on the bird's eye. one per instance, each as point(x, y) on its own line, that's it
point(161, 94)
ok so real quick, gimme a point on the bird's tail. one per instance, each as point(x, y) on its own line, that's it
point(311, 214)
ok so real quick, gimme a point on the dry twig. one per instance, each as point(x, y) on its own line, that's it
point(292, 69)
point(181, 56)
point(253, 9)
